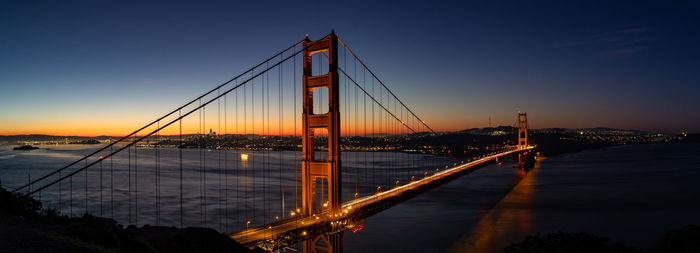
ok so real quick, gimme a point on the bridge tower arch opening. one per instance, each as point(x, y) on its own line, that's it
point(522, 129)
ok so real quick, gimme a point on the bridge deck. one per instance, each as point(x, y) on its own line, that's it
point(271, 231)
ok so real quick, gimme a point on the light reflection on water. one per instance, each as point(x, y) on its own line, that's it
point(512, 211)
point(235, 190)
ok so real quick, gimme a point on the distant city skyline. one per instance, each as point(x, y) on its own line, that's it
point(91, 68)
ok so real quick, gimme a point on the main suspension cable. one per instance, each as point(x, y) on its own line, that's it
point(382, 83)
point(153, 122)
point(154, 131)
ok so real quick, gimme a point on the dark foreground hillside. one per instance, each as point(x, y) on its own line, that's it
point(25, 227)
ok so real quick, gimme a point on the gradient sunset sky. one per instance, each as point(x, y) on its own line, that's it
point(90, 68)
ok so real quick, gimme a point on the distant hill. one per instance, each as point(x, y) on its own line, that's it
point(43, 137)
point(511, 129)
point(490, 130)
point(32, 137)
point(601, 129)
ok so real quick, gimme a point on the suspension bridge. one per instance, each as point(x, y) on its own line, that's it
point(258, 157)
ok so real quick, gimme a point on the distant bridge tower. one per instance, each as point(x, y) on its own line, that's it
point(522, 129)
point(313, 169)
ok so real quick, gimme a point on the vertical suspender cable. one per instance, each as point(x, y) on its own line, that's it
point(180, 147)
point(201, 146)
point(111, 183)
point(136, 185)
point(407, 146)
point(236, 168)
point(245, 168)
point(281, 117)
point(390, 139)
point(204, 167)
point(364, 109)
point(157, 172)
point(267, 152)
point(267, 155)
point(224, 142)
point(264, 153)
point(101, 187)
point(60, 195)
point(296, 184)
point(252, 130)
point(129, 175)
point(217, 144)
point(356, 130)
point(266, 131)
point(402, 159)
point(86, 188)
point(374, 136)
point(267, 144)
point(71, 196)
point(381, 130)
point(396, 147)
point(390, 145)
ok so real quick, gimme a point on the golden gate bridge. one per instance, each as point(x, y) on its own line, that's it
point(259, 156)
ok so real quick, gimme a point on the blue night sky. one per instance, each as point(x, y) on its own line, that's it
point(622, 64)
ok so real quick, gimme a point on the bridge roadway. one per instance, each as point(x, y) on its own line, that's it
point(343, 218)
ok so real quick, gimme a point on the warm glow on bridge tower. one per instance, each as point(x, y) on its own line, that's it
point(313, 169)
point(522, 129)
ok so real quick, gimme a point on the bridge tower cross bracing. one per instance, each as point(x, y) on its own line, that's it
point(313, 169)
point(522, 130)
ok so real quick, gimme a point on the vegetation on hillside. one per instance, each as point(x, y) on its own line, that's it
point(26, 227)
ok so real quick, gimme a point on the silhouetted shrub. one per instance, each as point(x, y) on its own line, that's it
point(19, 204)
point(94, 234)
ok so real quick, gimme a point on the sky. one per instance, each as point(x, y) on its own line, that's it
point(98, 67)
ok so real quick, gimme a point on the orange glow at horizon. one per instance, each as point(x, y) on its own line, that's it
point(115, 129)
point(235, 120)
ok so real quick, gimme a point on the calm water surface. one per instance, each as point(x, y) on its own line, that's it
point(628, 193)
point(221, 190)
